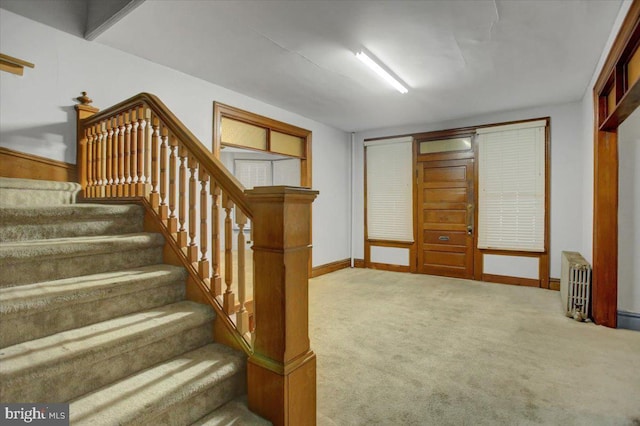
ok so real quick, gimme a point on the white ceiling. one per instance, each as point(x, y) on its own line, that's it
point(459, 58)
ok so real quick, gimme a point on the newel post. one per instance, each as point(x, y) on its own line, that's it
point(282, 371)
point(83, 110)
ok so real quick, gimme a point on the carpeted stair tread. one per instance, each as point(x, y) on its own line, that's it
point(26, 262)
point(32, 311)
point(69, 247)
point(177, 391)
point(73, 220)
point(32, 192)
point(233, 413)
point(47, 369)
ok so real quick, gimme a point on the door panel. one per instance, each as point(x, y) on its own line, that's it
point(445, 195)
point(445, 211)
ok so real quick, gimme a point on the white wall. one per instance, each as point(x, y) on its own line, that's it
point(566, 171)
point(629, 214)
point(37, 115)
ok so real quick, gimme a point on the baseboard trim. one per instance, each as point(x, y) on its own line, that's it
point(629, 320)
point(554, 284)
point(28, 166)
point(389, 267)
point(358, 263)
point(504, 279)
point(317, 271)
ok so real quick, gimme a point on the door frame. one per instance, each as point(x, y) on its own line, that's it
point(543, 257)
point(614, 99)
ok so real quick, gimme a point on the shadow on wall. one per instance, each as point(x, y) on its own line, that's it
point(55, 141)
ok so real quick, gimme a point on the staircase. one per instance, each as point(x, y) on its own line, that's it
point(90, 315)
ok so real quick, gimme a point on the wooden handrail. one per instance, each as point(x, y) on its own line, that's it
point(138, 149)
point(214, 167)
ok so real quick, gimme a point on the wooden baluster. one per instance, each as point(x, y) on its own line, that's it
point(155, 134)
point(203, 263)
point(142, 123)
point(164, 209)
point(102, 152)
point(115, 156)
point(109, 158)
point(127, 155)
point(134, 151)
point(94, 157)
point(229, 303)
point(121, 181)
point(148, 152)
point(182, 198)
point(192, 249)
point(89, 165)
point(172, 223)
point(242, 316)
point(216, 280)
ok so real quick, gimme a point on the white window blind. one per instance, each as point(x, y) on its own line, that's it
point(252, 173)
point(389, 190)
point(511, 191)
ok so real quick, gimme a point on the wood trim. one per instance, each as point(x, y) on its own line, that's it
point(554, 284)
point(358, 263)
point(619, 45)
point(605, 188)
point(412, 246)
point(388, 267)
point(330, 267)
point(212, 164)
point(385, 243)
point(511, 253)
point(544, 264)
point(14, 164)
point(504, 279)
point(543, 257)
point(221, 110)
point(13, 65)
point(306, 171)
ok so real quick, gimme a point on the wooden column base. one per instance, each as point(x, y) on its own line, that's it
point(286, 395)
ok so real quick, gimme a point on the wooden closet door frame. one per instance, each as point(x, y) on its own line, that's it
point(615, 98)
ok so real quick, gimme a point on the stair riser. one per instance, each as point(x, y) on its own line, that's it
point(75, 377)
point(21, 327)
point(187, 412)
point(29, 271)
point(72, 228)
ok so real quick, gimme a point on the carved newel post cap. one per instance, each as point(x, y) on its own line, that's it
point(84, 99)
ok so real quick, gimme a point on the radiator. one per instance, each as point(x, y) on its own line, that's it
point(575, 285)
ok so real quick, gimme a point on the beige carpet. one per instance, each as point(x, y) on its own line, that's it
point(403, 349)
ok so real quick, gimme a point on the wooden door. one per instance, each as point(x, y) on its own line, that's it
point(445, 218)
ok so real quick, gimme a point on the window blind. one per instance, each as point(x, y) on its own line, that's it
point(389, 190)
point(511, 187)
point(252, 173)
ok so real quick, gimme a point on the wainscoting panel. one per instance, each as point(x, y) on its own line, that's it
point(14, 164)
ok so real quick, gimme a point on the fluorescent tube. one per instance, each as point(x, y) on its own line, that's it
point(381, 72)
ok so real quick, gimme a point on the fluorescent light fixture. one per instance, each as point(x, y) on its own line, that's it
point(381, 72)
